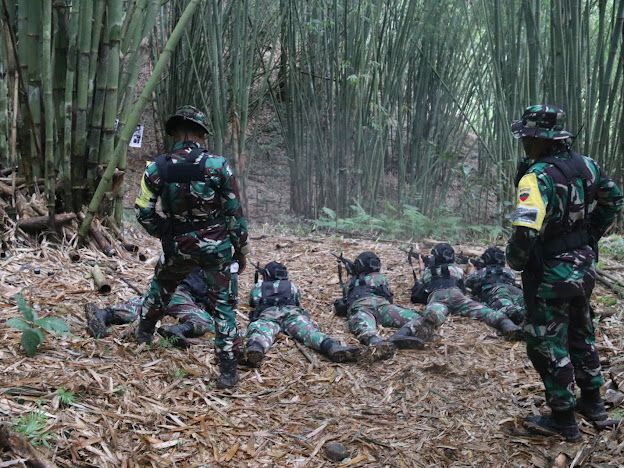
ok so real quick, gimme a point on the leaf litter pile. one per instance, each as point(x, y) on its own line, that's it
point(110, 402)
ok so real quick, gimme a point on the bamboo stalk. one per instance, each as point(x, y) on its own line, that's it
point(101, 283)
point(46, 78)
point(133, 118)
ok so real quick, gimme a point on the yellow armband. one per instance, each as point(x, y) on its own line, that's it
point(530, 210)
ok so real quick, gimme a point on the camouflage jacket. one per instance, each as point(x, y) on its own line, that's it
point(476, 281)
point(569, 273)
point(213, 205)
point(365, 285)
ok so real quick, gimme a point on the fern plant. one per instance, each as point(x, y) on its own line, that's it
point(33, 328)
point(32, 426)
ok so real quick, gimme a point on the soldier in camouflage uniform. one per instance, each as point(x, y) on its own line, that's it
point(442, 289)
point(369, 303)
point(494, 284)
point(193, 320)
point(565, 203)
point(203, 222)
point(276, 308)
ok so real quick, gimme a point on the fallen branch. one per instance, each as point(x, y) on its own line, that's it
point(39, 223)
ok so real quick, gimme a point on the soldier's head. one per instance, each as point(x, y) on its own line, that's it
point(187, 124)
point(541, 130)
point(273, 271)
point(367, 262)
point(443, 253)
point(493, 256)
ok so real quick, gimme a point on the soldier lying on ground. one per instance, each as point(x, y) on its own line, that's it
point(188, 305)
point(494, 284)
point(368, 302)
point(276, 307)
point(442, 289)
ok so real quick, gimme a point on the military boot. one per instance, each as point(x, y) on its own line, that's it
point(517, 315)
point(403, 339)
point(254, 353)
point(145, 331)
point(591, 406)
point(97, 320)
point(178, 334)
point(561, 423)
point(379, 348)
point(509, 330)
point(421, 329)
point(339, 353)
point(229, 373)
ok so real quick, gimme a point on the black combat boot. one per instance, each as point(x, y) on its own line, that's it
point(339, 353)
point(379, 348)
point(178, 334)
point(97, 320)
point(591, 406)
point(145, 331)
point(510, 330)
point(254, 353)
point(517, 315)
point(229, 373)
point(561, 423)
point(422, 330)
point(403, 339)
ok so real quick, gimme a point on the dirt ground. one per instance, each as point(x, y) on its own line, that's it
point(459, 402)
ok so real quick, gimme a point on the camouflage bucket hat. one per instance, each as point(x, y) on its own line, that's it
point(186, 113)
point(541, 121)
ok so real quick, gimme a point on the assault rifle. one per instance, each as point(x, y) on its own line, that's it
point(340, 305)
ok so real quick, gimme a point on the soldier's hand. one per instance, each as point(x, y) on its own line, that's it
point(242, 261)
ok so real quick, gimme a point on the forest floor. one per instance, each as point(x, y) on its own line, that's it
point(459, 402)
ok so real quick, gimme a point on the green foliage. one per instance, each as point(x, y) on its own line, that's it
point(33, 328)
point(66, 397)
point(32, 426)
point(607, 301)
point(166, 342)
point(178, 373)
point(612, 247)
point(407, 223)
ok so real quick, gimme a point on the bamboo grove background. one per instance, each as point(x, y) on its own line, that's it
point(401, 103)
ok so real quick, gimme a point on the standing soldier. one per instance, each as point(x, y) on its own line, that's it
point(442, 289)
point(369, 303)
point(203, 222)
point(565, 204)
point(495, 284)
point(186, 306)
point(275, 308)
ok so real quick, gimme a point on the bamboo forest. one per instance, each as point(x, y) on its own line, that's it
point(311, 233)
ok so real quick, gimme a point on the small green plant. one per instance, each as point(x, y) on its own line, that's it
point(178, 373)
point(612, 247)
point(607, 301)
point(167, 342)
point(33, 328)
point(66, 397)
point(32, 426)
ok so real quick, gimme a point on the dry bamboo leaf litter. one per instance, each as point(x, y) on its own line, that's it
point(459, 402)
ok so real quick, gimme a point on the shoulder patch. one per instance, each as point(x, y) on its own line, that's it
point(530, 209)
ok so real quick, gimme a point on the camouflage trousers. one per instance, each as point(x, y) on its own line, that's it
point(368, 312)
point(560, 341)
point(181, 307)
point(173, 269)
point(448, 301)
point(292, 320)
point(507, 301)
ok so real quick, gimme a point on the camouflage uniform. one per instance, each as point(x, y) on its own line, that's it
point(366, 313)
point(203, 222)
point(291, 319)
point(448, 300)
point(504, 298)
point(184, 306)
point(565, 203)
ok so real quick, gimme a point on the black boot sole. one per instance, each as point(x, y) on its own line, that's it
point(254, 358)
point(176, 340)
point(534, 426)
point(345, 356)
point(95, 327)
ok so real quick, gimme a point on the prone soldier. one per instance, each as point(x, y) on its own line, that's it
point(276, 307)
